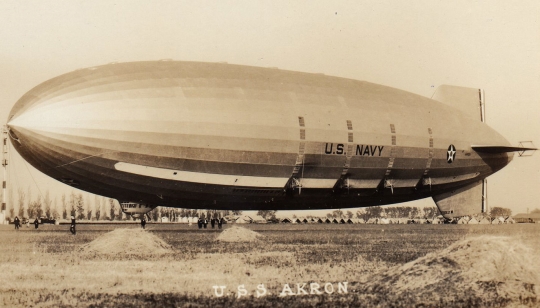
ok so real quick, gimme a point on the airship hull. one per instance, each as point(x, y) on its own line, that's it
point(209, 135)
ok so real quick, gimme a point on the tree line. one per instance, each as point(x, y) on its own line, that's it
point(76, 205)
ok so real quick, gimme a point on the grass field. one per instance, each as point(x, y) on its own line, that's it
point(46, 267)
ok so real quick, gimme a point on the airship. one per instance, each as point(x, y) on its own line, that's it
point(221, 136)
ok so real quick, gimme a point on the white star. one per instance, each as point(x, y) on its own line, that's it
point(451, 152)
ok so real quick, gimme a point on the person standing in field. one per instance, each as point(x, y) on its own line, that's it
point(220, 222)
point(72, 227)
point(36, 223)
point(213, 222)
point(17, 223)
point(143, 222)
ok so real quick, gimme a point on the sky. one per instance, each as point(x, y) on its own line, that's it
point(411, 45)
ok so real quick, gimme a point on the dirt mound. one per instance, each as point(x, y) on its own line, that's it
point(238, 234)
point(489, 269)
point(127, 241)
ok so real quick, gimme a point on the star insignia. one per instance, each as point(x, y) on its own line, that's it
point(451, 154)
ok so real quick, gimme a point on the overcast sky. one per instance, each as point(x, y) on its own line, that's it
point(412, 45)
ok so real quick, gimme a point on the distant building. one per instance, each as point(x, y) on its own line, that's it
point(527, 218)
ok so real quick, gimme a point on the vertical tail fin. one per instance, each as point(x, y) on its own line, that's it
point(468, 100)
point(464, 201)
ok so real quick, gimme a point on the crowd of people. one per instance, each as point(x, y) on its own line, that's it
point(203, 222)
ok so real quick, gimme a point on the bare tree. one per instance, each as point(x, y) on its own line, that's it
point(337, 214)
point(64, 207)
point(47, 204)
point(22, 195)
point(28, 202)
point(360, 213)
point(113, 208)
point(97, 207)
point(267, 214)
point(10, 204)
point(431, 211)
point(500, 211)
point(55, 213)
point(72, 202)
point(79, 204)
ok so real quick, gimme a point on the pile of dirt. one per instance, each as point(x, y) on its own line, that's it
point(127, 241)
point(489, 269)
point(238, 234)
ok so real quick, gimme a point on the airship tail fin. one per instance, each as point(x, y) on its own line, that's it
point(468, 100)
point(463, 201)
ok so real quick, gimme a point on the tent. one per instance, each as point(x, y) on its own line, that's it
point(259, 219)
point(184, 220)
point(485, 221)
point(286, 220)
point(320, 220)
point(244, 220)
point(335, 221)
point(328, 221)
point(463, 220)
point(497, 221)
point(384, 221)
point(509, 220)
point(473, 221)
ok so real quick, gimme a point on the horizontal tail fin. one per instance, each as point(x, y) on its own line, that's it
point(494, 149)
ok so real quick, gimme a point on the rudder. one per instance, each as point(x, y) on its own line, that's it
point(463, 201)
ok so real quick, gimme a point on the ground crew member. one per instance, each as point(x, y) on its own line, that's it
point(72, 227)
point(36, 223)
point(213, 222)
point(17, 223)
point(143, 223)
point(220, 222)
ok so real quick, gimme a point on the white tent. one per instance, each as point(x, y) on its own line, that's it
point(244, 220)
point(259, 219)
point(463, 220)
point(384, 221)
point(472, 221)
